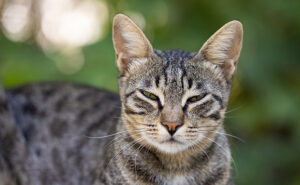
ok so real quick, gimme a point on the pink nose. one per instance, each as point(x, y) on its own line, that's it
point(171, 126)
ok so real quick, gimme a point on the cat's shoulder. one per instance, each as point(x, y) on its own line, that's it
point(46, 127)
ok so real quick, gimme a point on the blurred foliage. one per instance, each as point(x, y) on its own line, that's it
point(265, 101)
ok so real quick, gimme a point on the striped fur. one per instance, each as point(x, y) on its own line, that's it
point(60, 134)
point(198, 152)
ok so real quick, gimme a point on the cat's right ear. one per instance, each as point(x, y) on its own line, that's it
point(131, 45)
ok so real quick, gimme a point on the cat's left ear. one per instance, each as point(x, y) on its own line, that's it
point(224, 47)
point(131, 45)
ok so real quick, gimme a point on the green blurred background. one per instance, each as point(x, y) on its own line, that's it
point(265, 101)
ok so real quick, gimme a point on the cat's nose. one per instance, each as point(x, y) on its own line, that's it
point(172, 127)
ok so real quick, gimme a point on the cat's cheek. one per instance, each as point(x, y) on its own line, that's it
point(150, 141)
point(198, 139)
point(188, 138)
point(161, 135)
point(180, 134)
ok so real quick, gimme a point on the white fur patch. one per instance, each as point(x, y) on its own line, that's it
point(172, 148)
point(177, 180)
point(135, 63)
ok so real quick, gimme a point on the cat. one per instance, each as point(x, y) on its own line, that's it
point(165, 128)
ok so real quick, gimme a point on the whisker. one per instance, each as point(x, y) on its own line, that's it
point(224, 151)
point(128, 146)
point(149, 125)
point(136, 153)
point(202, 130)
point(234, 109)
point(122, 137)
point(101, 137)
point(198, 145)
point(223, 133)
point(230, 117)
point(204, 126)
point(233, 136)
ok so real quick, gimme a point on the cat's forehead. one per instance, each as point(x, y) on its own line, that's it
point(173, 71)
point(179, 63)
point(174, 56)
point(173, 64)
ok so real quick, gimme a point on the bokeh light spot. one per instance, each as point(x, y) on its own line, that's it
point(16, 20)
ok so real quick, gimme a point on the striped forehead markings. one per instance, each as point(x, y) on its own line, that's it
point(174, 64)
point(157, 80)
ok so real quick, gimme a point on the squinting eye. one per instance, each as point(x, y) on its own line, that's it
point(149, 95)
point(194, 99)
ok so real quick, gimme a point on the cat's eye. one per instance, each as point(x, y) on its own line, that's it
point(194, 99)
point(149, 95)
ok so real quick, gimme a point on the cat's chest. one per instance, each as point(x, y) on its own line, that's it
point(178, 180)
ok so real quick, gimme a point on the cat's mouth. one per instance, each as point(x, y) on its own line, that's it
point(172, 140)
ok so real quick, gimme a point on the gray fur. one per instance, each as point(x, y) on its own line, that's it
point(44, 129)
point(43, 133)
point(63, 134)
point(175, 68)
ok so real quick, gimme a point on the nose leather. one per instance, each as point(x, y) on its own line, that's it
point(171, 126)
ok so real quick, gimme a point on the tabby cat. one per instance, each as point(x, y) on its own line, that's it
point(165, 129)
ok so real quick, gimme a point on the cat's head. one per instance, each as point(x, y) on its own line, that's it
point(174, 100)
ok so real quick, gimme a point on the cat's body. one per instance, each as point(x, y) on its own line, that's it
point(165, 129)
point(43, 135)
point(46, 144)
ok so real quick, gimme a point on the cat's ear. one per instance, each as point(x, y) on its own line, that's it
point(224, 47)
point(130, 43)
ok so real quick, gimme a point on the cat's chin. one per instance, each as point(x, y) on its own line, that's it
point(169, 146)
